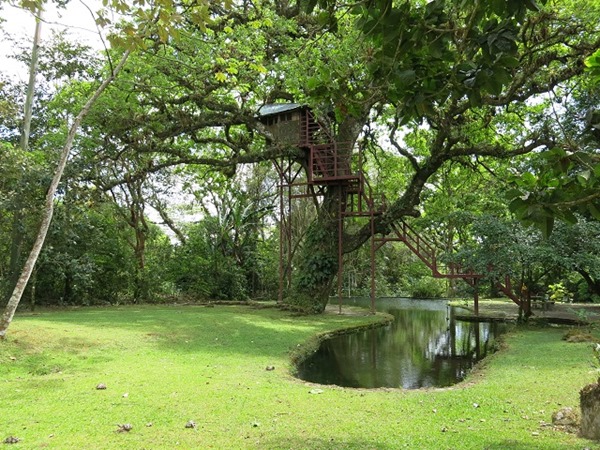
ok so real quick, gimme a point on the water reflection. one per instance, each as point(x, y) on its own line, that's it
point(425, 346)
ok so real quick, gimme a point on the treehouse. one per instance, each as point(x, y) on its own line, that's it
point(285, 122)
point(329, 165)
point(294, 124)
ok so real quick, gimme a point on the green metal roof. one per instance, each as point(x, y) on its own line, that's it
point(277, 108)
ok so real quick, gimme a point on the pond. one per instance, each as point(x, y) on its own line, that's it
point(425, 346)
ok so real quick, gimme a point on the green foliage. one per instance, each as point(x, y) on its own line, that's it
point(87, 260)
point(559, 293)
point(565, 183)
point(190, 98)
point(318, 263)
point(593, 65)
point(200, 269)
point(427, 287)
point(416, 48)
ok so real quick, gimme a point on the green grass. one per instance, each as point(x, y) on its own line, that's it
point(208, 365)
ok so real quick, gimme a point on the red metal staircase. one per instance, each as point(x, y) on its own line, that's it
point(427, 252)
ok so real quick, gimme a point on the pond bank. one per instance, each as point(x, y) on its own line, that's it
point(506, 311)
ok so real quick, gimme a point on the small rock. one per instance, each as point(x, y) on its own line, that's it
point(269, 368)
point(11, 440)
point(125, 428)
point(125, 395)
point(565, 417)
point(12, 358)
point(316, 391)
point(535, 433)
point(475, 405)
point(101, 387)
point(149, 424)
point(190, 424)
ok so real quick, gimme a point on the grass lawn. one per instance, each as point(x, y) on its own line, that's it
point(164, 366)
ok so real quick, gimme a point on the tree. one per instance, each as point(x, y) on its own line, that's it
point(462, 72)
point(468, 73)
point(576, 248)
point(164, 19)
point(564, 182)
point(25, 189)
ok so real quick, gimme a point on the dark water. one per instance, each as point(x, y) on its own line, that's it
point(425, 346)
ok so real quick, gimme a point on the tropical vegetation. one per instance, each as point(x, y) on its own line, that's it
point(474, 121)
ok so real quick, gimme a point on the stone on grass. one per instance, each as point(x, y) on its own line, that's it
point(11, 440)
point(566, 417)
point(124, 428)
point(100, 386)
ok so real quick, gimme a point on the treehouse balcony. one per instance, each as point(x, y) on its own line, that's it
point(294, 124)
point(329, 163)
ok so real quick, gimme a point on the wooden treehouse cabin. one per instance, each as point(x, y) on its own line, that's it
point(328, 164)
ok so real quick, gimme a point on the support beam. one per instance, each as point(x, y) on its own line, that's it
point(476, 295)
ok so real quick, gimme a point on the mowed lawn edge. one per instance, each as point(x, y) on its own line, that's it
point(166, 367)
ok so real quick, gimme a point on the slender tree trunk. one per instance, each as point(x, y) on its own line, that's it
point(31, 85)
point(48, 210)
point(17, 223)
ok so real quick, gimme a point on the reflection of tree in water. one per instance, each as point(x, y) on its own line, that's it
point(423, 347)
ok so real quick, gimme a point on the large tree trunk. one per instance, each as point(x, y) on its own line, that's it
point(48, 211)
point(593, 285)
point(318, 259)
point(589, 400)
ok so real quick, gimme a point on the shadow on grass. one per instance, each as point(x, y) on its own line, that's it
point(366, 443)
point(518, 445)
point(222, 329)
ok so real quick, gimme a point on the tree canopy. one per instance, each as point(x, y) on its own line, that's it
point(456, 108)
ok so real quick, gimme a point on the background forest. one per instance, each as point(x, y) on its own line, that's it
point(478, 123)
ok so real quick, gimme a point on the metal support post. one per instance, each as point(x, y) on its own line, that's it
point(371, 218)
point(340, 253)
point(476, 295)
